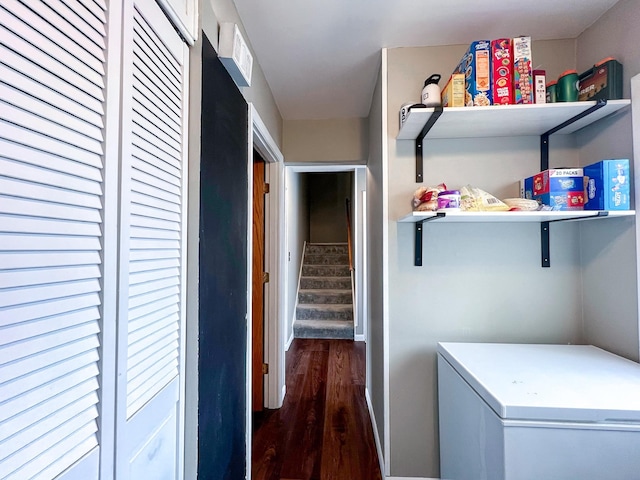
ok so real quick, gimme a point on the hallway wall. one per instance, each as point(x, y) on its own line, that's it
point(326, 198)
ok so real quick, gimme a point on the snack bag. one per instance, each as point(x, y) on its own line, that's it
point(473, 199)
point(426, 198)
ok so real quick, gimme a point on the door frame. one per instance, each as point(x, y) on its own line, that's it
point(274, 389)
point(359, 227)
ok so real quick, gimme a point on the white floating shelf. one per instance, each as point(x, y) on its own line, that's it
point(514, 217)
point(505, 120)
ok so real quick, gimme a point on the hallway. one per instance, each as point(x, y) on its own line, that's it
point(323, 430)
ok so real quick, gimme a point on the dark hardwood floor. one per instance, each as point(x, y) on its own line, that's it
point(323, 430)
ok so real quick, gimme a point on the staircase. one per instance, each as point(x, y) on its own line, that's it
point(325, 305)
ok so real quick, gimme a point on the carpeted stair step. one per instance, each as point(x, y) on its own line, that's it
point(310, 328)
point(325, 282)
point(324, 296)
point(326, 259)
point(324, 312)
point(327, 248)
point(325, 271)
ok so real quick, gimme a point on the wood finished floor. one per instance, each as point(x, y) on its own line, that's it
point(323, 430)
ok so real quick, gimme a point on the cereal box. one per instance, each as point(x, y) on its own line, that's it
point(560, 188)
point(607, 185)
point(522, 70)
point(476, 67)
point(453, 92)
point(502, 71)
point(539, 86)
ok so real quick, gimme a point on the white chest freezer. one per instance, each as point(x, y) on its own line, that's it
point(537, 412)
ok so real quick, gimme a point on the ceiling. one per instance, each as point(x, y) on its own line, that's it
point(321, 58)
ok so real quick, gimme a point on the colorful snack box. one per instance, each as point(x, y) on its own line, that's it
point(539, 86)
point(607, 185)
point(502, 71)
point(476, 67)
point(522, 70)
point(453, 92)
point(560, 188)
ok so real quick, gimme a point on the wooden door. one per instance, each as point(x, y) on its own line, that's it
point(258, 284)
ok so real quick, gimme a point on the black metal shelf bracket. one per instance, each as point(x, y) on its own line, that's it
point(437, 111)
point(544, 138)
point(544, 165)
point(417, 258)
point(544, 236)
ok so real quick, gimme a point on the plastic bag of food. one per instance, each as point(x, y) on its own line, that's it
point(426, 198)
point(473, 199)
point(521, 204)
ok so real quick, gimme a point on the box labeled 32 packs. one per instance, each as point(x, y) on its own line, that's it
point(607, 185)
point(560, 188)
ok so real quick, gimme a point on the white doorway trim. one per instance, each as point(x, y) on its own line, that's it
point(359, 229)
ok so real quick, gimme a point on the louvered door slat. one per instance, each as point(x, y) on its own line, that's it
point(51, 164)
point(21, 331)
point(41, 411)
point(53, 50)
point(139, 255)
point(48, 442)
point(141, 176)
point(17, 188)
point(41, 260)
point(149, 297)
point(45, 226)
point(20, 171)
point(73, 15)
point(144, 161)
point(89, 99)
point(13, 132)
point(57, 368)
point(154, 264)
point(41, 92)
point(25, 102)
point(151, 323)
point(62, 442)
point(147, 287)
point(151, 190)
point(65, 18)
point(147, 143)
point(47, 242)
point(29, 365)
point(26, 311)
point(39, 60)
point(52, 143)
point(29, 435)
point(156, 223)
point(140, 396)
point(146, 99)
point(154, 67)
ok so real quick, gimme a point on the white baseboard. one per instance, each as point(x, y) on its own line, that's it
point(289, 342)
point(359, 337)
point(376, 437)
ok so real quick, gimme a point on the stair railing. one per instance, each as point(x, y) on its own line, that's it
point(348, 208)
point(351, 269)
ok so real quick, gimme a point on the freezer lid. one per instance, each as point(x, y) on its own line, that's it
point(580, 383)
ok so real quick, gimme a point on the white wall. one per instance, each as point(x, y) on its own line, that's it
point(479, 282)
point(376, 201)
point(609, 251)
point(297, 232)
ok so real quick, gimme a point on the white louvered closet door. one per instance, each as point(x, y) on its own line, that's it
point(152, 247)
point(52, 243)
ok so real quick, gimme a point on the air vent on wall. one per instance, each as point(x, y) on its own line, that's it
point(235, 54)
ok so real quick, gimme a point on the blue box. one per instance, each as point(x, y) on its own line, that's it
point(559, 188)
point(608, 185)
point(476, 67)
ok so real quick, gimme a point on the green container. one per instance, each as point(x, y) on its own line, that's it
point(551, 92)
point(567, 87)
